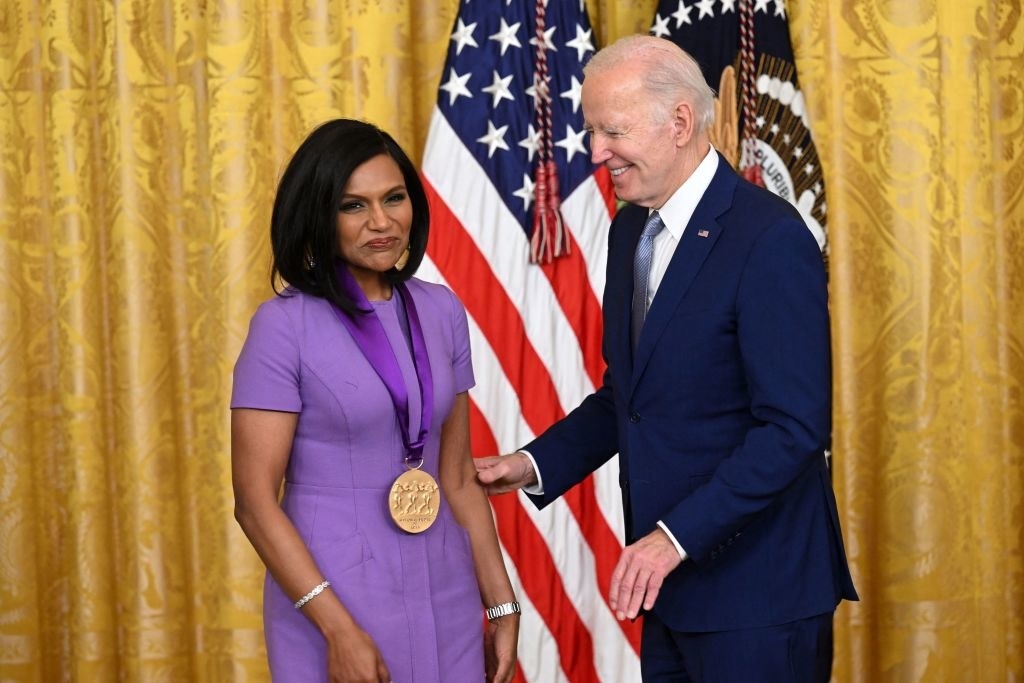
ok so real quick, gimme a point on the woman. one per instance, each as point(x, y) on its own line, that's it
point(351, 388)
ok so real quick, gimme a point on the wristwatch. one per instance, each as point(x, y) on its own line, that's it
point(504, 609)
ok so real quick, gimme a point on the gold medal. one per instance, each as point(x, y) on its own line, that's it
point(414, 501)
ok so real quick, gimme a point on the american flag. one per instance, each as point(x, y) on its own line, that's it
point(535, 318)
point(744, 49)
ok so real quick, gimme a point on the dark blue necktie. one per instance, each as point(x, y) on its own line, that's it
point(642, 273)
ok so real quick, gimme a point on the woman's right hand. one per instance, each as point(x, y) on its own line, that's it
point(501, 639)
point(353, 657)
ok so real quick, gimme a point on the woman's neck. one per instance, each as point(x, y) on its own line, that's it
point(374, 286)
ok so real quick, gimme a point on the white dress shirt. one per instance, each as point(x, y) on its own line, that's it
point(675, 214)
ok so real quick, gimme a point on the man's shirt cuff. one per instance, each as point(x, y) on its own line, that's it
point(679, 548)
point(538, 488)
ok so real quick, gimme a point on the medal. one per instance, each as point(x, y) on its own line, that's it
point(414, 501)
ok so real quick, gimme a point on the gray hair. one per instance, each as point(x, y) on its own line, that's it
point(671, 74)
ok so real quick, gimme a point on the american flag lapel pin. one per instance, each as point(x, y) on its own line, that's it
point(702, 233)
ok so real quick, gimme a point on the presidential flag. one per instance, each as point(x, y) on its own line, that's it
point(762, 128)
point(519, 225)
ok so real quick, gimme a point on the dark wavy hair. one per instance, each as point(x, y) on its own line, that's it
point(303, 226)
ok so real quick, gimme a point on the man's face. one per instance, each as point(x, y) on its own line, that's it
point(631, 136)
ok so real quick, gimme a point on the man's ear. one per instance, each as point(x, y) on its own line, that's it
point(684, 123)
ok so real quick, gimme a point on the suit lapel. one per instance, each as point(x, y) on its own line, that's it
point(700, 236)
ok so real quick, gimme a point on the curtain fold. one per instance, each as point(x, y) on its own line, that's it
point(140, 146)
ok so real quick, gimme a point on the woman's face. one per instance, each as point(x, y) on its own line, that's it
point(374, 221)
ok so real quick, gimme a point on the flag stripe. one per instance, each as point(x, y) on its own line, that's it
point(539, 661)
point(468, 271)
point(494, 233)
point(535, 330)
point(568, 277)
point(501, 324)
point(464, 268)
point(528, 551)
point(588, 213)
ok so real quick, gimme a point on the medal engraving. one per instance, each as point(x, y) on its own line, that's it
point(414, 501)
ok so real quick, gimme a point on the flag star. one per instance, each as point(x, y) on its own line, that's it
point(682, 14)
point(660, 27)
point(809, 169)
point(574, 93)
point(538, 89)
point(761, 6)
point(728, 6)
point(506, 35)
point(581, 43)
point(817, 188)
point(532, 91)
point(494, 139)
point(797, 152)
point(499, 90)
point(707, 9)
point(548, 43)
point(787, 138)
point(759, 122)
point(463, 36)
point(823, 207)
point(525, 192)
point(572, 142)
point(456, 85)
point(780, 8)
point(531, 142)
point(774, 129)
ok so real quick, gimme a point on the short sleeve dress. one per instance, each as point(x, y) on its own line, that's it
point(415, 594)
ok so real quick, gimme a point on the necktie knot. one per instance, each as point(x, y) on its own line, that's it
point(642, 273)
point(653, 226)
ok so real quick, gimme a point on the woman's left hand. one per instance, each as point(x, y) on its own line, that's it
point(501, 638)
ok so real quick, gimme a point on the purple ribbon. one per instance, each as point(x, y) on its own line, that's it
point(369, 335)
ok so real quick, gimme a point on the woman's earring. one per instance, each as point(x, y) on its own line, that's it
point(310, 262)
point(402, 260)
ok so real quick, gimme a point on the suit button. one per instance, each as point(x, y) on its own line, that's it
point(634, 417)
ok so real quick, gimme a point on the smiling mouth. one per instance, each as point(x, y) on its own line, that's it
point(619, 171)
point(382, 244)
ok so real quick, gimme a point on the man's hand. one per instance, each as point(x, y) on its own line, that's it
point(640, 572)
point(504, 473)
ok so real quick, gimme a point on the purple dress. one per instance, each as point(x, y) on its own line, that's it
point(415, 594)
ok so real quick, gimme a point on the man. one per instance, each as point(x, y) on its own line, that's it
point(717, 395)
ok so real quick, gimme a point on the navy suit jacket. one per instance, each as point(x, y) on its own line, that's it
point(722, 416)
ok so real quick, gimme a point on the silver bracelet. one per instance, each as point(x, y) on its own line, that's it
point(502, 610)
point(317, 590)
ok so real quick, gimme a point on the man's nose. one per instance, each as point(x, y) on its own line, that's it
point(598, 150)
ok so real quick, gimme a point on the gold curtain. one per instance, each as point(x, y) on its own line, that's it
point(139, 149)
point(918, 114)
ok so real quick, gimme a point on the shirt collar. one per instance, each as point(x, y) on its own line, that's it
point(677, 211)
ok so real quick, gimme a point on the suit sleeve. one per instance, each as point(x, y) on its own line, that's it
point(575, 446)
point(784, 344)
